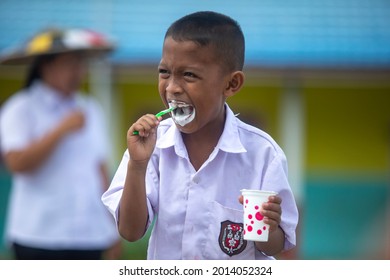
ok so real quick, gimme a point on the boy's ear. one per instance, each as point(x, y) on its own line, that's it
point(235, 83)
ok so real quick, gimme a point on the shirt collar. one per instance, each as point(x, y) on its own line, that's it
point(172, 137)
point(229, 141)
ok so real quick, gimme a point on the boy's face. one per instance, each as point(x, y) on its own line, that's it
point(191, 76)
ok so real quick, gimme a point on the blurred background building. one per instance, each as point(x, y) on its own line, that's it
point(318, 81)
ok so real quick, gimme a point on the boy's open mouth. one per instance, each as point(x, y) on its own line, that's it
point(183, 113)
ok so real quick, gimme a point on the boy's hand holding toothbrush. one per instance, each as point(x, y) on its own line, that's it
point(141, 136)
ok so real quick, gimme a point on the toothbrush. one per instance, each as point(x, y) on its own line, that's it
point(159, 114)
point(166, 111)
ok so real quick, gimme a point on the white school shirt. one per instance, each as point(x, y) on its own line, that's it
point(57, 206)
point(195, 210)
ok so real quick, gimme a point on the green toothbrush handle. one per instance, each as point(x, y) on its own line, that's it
point(159, 114)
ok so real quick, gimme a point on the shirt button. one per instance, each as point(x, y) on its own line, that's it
point(195, 180)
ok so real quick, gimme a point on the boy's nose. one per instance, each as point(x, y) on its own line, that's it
point(173, 87)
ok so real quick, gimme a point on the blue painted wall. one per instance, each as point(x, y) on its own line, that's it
point(322, 33)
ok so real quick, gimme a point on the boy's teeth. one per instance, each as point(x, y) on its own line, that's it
point(183, 113)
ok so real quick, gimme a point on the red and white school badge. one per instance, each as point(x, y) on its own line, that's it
point(231, 238)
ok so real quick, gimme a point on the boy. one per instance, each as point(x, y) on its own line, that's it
point(188, 170)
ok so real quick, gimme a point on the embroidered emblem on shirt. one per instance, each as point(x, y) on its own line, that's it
point(231, 238)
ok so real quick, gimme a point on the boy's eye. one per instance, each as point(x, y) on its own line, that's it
point(189, 74)
point(163, 72)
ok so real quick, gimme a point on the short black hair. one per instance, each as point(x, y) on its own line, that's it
point(208, 28)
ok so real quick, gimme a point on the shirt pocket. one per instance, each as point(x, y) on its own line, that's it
point(225, 235)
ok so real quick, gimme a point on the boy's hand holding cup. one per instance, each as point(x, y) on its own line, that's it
point(257, 225)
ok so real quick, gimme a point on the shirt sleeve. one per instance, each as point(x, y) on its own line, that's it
point(112, 197)
point(15, 124)
point(276, 179)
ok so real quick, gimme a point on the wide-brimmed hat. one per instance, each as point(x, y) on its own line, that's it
point(57, 41)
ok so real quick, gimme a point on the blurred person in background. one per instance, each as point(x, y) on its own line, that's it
point(54, 143)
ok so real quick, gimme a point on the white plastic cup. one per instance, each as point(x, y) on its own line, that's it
point(254, 227)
